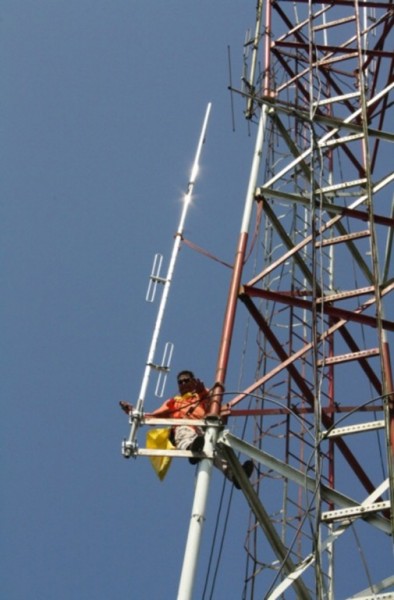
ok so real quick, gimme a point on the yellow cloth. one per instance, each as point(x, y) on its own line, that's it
point(159, 439)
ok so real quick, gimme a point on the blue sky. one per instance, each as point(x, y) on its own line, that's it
point(101, 109)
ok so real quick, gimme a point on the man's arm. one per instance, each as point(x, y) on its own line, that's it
point(162, 411)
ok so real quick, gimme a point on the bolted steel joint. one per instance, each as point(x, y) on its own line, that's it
point(129, 449)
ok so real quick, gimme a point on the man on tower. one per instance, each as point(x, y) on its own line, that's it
point(192, 402)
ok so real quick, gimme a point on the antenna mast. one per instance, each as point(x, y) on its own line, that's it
point(129, 446)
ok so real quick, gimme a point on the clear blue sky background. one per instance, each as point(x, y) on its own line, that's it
point(101, 108)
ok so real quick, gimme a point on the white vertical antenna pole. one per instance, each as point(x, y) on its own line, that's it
point(193, 543)
point(197, 520)
point(129, 445)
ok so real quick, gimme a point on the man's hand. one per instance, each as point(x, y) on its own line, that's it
point(128, 409)
point(199, 386)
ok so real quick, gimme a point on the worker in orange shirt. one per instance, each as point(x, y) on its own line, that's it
point(192, 402)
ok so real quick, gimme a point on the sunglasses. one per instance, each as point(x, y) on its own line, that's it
point(186, 380)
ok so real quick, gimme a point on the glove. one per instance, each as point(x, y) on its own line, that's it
point(128, 409)
point(200, 387)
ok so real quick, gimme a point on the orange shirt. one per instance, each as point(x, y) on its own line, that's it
point(189, 406)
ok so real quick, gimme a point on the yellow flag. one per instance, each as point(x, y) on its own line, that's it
point(159, 439)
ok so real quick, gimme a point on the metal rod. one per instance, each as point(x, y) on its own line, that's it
point(229, 319)
point(204, 471)
point(197, 519)
point(129, 446)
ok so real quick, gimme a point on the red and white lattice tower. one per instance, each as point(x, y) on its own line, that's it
point(318, 290)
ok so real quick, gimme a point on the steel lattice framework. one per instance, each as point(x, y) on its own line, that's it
point(321, 298)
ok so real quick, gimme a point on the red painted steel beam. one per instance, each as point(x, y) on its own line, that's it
point(328, 309)
point(308, 393)
point(349, 3)
point(228, 327)
point(255, 412)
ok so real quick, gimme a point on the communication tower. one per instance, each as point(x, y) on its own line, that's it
point(318, 291)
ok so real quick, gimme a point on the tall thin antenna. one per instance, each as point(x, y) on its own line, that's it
point(230, 87)
point(129, 446)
